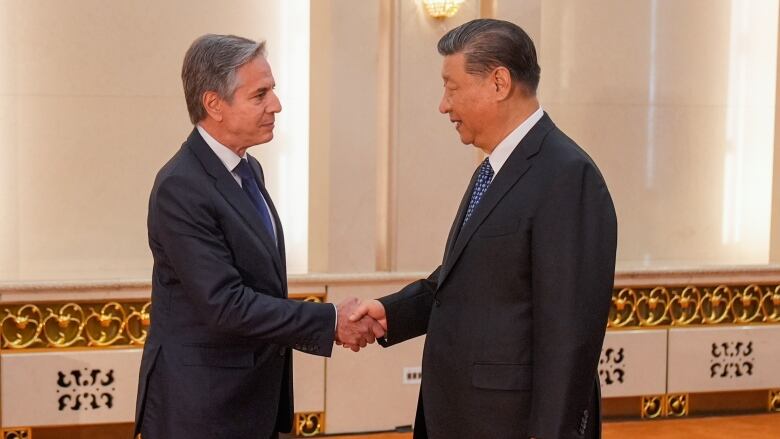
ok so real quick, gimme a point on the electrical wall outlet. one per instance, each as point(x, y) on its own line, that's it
point(412, 375)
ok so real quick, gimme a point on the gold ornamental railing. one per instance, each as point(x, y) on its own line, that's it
point(126, 323)
point(80, 324)
point(694, 305)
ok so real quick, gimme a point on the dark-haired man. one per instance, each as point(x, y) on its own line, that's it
point(515, 315)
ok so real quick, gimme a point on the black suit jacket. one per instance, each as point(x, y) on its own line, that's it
point(217, 360)
point(515, 315)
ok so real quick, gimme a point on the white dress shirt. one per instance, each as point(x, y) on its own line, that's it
point(230, 159)
point(504, 149)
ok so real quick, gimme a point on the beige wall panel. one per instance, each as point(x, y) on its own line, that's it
point(633, 363)
point(86, 166)
point(364, 389)
point(774, 255)
point(527, 14)
point(126, 48)
point(674, 102)
point(69, 387)
point(8, 187)
point(432, 167)
point(308, 370)
point(309, 382)
point(9, 207)
point(602, 51)
point(723, 359)
point(344, 137)
point(678, 220)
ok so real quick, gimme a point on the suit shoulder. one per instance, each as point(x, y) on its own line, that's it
point(182, 166)
point(564, 154)
point(182, 176)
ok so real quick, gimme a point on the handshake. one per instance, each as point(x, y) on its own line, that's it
point(360, 323)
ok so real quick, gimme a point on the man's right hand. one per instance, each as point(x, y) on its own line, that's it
point(357, 332)
point(372, 308)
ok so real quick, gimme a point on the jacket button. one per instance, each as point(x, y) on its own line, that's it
point(437, 302)
point(282, 351)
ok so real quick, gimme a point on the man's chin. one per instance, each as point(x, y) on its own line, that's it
point(265, 139)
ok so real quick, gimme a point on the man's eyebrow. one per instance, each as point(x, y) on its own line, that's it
point(263, 89)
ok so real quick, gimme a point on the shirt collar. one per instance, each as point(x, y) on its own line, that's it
point(504, 149)
point(228, 158)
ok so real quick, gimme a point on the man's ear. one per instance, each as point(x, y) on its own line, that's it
point(502, 80)
point(213, 105)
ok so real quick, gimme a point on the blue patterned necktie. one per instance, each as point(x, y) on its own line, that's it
point(483, 181)
point(252, 190)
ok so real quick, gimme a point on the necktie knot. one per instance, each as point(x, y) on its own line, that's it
point(242, 169)
point(485, 170)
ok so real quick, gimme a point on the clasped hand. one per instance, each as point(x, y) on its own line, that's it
point(360, 324)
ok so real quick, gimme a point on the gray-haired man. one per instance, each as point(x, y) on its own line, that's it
point(217, 362)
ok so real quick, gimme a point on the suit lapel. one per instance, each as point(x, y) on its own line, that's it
point(464, 204)
point(515, 167)
point(226, 185)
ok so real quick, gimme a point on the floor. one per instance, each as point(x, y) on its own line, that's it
point(743, 427)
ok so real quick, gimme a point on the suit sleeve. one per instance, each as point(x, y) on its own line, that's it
point(189, 233)
point(408, 310)
point(573, 247)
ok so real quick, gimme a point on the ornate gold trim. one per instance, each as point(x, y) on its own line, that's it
point(774, 400)
point(677, 405)
point(653, 406)
point(72, 325)
point(309, 424)
point(17, 433)
point(692, 305)
point(83, 325)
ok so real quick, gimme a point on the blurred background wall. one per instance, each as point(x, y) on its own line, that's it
point(675, 100)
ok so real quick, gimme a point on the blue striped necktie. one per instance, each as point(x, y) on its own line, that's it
point(483, 181)
point(252, 190)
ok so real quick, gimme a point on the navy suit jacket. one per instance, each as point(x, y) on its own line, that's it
point(515, 316)
point(217, 360)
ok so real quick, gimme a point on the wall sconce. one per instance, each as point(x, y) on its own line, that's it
point(442, 8)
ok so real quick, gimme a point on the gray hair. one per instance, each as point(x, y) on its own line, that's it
point(488, 43)
point(210, 64)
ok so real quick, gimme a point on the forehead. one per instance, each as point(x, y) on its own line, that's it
point(453, 66)
point(255, 73)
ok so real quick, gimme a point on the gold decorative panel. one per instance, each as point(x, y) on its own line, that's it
point(74, 325)
point(774, 400)
point(653, 406)
point(80, 325)
point(309, 424)
point(693, 305)
point(677, 405)
point(17, 433)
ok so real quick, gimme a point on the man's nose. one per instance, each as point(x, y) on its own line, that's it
point(276, 105)
point(444, 106)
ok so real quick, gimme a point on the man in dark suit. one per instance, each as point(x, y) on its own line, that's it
point(516, 313)
point(217, 361)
